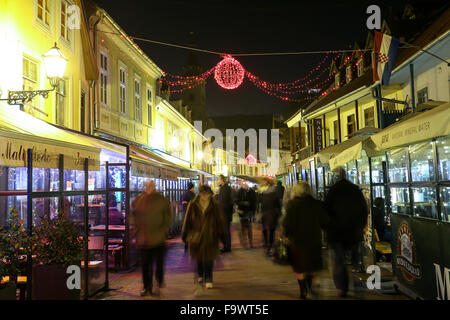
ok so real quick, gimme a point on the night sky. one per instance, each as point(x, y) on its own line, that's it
point(244, 27)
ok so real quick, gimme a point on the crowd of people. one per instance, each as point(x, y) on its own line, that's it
point(303, 220)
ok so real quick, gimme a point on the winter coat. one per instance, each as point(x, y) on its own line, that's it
point(225, 199)
point(188, 196)
point(203, 231)
point(245, 204)
point(305, 217)
point(270, 208)
point(153, 218)
point(347, 210)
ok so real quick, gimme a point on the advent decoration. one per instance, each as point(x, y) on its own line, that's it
point(229, 73)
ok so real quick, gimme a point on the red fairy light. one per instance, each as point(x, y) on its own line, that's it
point(229, 73)
point(250, 160)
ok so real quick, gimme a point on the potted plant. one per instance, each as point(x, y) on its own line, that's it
point(15, 244)
point(58, 245)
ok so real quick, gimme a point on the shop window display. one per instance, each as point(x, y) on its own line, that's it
point(424, 202)
point(377, 169)
point(445, 204)
point(398, 165)
point(400, 200)
point(422, 168)
point(73, 180)
point(363, 171)
point(97, 179)
point(443, 147)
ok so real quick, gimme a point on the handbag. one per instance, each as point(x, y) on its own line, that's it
point(281, 253)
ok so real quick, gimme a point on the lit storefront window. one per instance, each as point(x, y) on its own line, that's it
point(425, 202)
point(445, 204)
point(398, 167)
point(377, 169)
point(363, 170)
point(352, 173)
point(443, 146)
point(422, 168)
point(400, 200)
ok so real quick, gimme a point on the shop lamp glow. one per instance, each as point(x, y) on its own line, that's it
point(55, 65)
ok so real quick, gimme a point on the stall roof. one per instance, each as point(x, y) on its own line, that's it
point(422, 126)
point(20, 131)
point(146, 163)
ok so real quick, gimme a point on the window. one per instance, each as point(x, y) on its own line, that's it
point(398, 165)
point(123, 90)
point(104, 78)
point(369, 117)
point(43, 11)
point(337, 80)
point(348, 73)
point(149, 105)
point(351, 125)
point(60, 102)
point(137, 100)
point(30, 74)
point(360, 67)
point(422, 96)
point(336, 131)
point(421, 157)
point(425, 204)
point(65, 31)
point(400, 200)
point(443, 146)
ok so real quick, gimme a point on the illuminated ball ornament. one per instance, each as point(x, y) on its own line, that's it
point(229, 73)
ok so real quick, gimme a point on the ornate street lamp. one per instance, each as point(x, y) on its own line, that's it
point(55, 65)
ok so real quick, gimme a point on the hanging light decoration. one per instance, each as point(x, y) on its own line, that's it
point(229, 73)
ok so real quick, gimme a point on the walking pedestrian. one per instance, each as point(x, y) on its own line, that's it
point(347, 210)
point(202, 229)
point(225, 199)
point(188, 196)
point(153, 218)
point(305, 217)
point(245, 204)
point(271, 210)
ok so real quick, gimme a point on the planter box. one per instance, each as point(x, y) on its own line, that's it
point(49, 283)
point(8, 292)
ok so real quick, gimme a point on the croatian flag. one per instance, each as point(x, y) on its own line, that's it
point(385, 51)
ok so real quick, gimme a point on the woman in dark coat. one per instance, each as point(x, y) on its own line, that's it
point(203, 228)
point(271, 212)
point(305, 216)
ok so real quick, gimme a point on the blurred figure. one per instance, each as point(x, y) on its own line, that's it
point(245, 204)
point(379, 217)
point(153, 218)
point(271, 210)
point(279, 189)
point(225, 199)
point(188, 196)
point(305, 217)
point(347, 210)
point(202, 229)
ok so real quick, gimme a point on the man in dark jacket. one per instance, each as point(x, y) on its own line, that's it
point(188, 196)
point(225, 200)
point(347, 210)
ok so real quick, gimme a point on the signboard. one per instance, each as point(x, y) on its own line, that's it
point(317, 135)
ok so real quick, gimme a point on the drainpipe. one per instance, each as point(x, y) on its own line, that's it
point(94, 84)
point(413, 91)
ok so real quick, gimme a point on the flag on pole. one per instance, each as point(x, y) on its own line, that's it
point(383, 58)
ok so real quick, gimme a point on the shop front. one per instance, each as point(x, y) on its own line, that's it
point(417, 162)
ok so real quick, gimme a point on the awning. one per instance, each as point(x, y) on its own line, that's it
point(305, 163)
point(20, 131)
point(422, 126)
point(250, 179)
point(145, 163)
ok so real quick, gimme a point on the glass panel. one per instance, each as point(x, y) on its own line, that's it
point(117, 177)
point(75, 207)
point(97, 179)
point(424, 202)
point(377, 169)
point(400, 200)
point(73, 180)
point(398, 169)
point(116, 229)
point(45, 179)
point(363, 170)
point(96, 251)
point(45, 207)
point(17, 179)
point(313, 175)
point(133, 183)
point(12, 202)
point(352, 174)
point(445, 204)
point(422, 168)
point(378, 192)
point(443, 146)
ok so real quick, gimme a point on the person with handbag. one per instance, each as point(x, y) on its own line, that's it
point(305, 217)
point(202, 229)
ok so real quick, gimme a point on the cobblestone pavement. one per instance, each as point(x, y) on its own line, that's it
point(243, 274)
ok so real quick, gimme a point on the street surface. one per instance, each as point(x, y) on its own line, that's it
point(243, 274)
